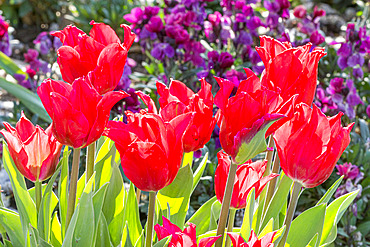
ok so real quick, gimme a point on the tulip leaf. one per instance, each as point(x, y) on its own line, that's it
point(187, 159)
point(80, 187)
point(7, 64)
point(102, 239)
point(104, 162)
point(278, 200)
point(164, 242)
point(215, 215)
point(330, 192)
point(268, 228)
point(199, 172)
point(201, 218)
point(140, 241)
point(48, 203)
point(132, 216)
point(36, 240)
point(25, 205)
point(126, 241)
point(334, 213)
point(306, 226)
point(7, 243)
point(68, 239)
point(113, 206)
point(313, 242)
point(246, 227)
point(28, 98)
point(278, 235)
point(56, 232)
point(177, 196)
point(63, 190)
point(12, 223)
point(98, 200)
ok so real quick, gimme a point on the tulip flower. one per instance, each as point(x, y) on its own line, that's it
point(179, 99)
point(35, 151)
point(185, 238)
point(150, 148)
point(102, 54)
point(291, 70)
point(245, 118)
point(265, 241)
point(248, 176)
point(310, 144)
point(78, 111)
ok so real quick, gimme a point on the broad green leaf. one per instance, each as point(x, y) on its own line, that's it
point(113, 206)
point(80, 187)
point(126, 241)
point(313, 242)
point(278, 235)
point(25, 205)
point(56, 232)
point(187, 159)
point(199, 172)
point(28, 98)
point(12, 223)
point(215, 215)
point(177, 196)
point(104, 162)
point(334, 213)
point(48, 203)
point(36, 240)
point(98, 201)
point(246, 227)
point(306, 226)
point(257, 216)
point(140, 241)
point(68, 239)
point(63, 190)
point(7, 64)
point(7, 243)
point(268, 228)
point(132, 216)
point(330, 192)
point(278, 199)
point(102, 239)
point(202, 217)
point(164, 242)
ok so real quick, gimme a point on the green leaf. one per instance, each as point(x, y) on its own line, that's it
point(104, 162)
point(268, 228)
point(12, 223)
point(313, 242)
point(177, 196)
point(199, 172)
point(246, 227)
point(164, 242)
point(56, 232)
point(7, 64)
point(202, 217)
point(103, 239)
point(306, 226)
point(63, 190)
point(25, 205)
point(334, 213)
point(80, 187)
point(28, 98)
point(215, 215)
point(330, 192)
point(187, 159)
point(126, 237)
point(140, 241)
point(132, 216)
point(98, 201)
point(278, 199)
point(36, 240)
point(68, 239)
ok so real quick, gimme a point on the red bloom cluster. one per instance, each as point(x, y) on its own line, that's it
point(265, 241)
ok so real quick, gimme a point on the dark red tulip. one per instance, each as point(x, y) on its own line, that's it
point(78, 111)
point(150, 148)
point(179, 99)
point(291, 70)
point(248, 176)
point(310, 144)
point(179, 238)
point(102, 54)
point(265, 241)
point(35, 151)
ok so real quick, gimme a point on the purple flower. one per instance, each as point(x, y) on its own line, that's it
point(335, 86)
point(300, 11)
point(358, 72)
point(342, 63)
point(226, 60)
point(345, 50)
point(355, 59)
point(162, 50)
point(44, 41)
point(245, 38)
point(215, 18)
point(353, 98)
point(155, 24)
point(348, 170)
point(4, 37)
point(178, 33)
point(254, 22)
point(135, 17)
point(31, 55)
point(272, 20)
point(368, 111)
point(316, 38)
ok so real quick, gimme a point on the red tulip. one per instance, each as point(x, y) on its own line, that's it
point(179, 99)
point(150, 148)
point(102, 54)
point(78, 111)
point(291, 70)
point(35, 152)
point(245, 117)
point(310, 144)
point(248, 176)
point(185, 238)
point(265, 241)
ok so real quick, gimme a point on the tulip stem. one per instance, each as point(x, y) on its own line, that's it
point(272, 183)
point(230, 225)
point(138, 195)
point(150, 221)
point(226, 204)
point(73, 185)
point(290, 213)
point(90, 161)
point(38, 192)
point(268, 156)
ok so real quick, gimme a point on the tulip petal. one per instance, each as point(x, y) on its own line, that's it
point(205, 92)
point(181, 91)
point(70, 64)
point(148, 102)
point(172, 110)
point(236, 239)
point(129, 36)
point(208, 242)
point(24, 128)
point(103, 33)
point(69, 36)
point(222, 96)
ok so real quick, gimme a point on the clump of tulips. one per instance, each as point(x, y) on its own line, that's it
point(96, 210)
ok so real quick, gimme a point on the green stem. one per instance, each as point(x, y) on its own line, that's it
point(90, 161)
point(272, 183)
point(230, 225)
point(73, 185)
point(38, 192)
point(150, 221)
point(138, 195)
point(226, 204)
point(290, 213)
point(268, 156)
